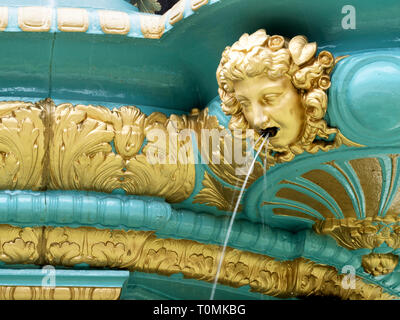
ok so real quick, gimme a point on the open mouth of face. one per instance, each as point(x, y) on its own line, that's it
point(271, 132)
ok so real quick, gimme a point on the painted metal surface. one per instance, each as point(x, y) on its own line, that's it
point(93, 64)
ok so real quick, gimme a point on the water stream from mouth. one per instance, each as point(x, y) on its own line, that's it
point(234, 214)
point(265, 178)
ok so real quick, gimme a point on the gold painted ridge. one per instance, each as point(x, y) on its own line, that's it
point(58, 293)
point(40, 19)
point(143, 251)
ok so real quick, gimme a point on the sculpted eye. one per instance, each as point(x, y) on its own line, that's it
point(270, 98)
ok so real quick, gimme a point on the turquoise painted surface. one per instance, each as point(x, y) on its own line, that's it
point(177, 71)
point(176, 287)
point(63, 277)
point(364, 100)
point(277, 243)
point(74, 209)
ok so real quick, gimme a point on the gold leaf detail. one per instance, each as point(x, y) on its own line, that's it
point(18, 251)
point(65, 253)
point(217, 195)
point(143, 251)
point(58, 293)
point(129, 131)
point(369, 233)
point(22, 146)
point(108, 254)
point(379, 264)
point(80, 150)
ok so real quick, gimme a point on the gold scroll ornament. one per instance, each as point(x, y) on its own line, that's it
point(143, 251)
point(71, 148)
point(66, 147)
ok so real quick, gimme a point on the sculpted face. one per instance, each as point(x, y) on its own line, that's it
point(270, 103)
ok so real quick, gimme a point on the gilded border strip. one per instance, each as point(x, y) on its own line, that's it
point(197, 4)
point(72, 20)
point(35, 19)
point(39, 19)
point(143, 251)
point(114, 22)
point(58, 293)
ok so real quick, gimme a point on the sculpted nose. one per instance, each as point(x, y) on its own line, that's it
point(261, 120)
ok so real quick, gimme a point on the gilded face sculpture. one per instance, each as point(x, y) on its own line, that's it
point(277, 86)
point(273, 107)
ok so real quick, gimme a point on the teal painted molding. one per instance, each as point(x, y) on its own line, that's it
point(149, 286)
point(364, 100)
point(75, 209)
point(183, 224)
point(64, 277)
point(181, 65)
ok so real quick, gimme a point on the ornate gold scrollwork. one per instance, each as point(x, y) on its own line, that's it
point(379, 264)
point(216, 195)
point(22, 146)
point(143, 251)
point(71, 148)
point(369, 233)
point(217, 150)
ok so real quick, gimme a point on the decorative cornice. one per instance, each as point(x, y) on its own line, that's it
point(369, 233)
point(58, 293)
point(143, 251)
point(40, 19)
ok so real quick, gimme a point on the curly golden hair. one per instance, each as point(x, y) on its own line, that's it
point(275, 56)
